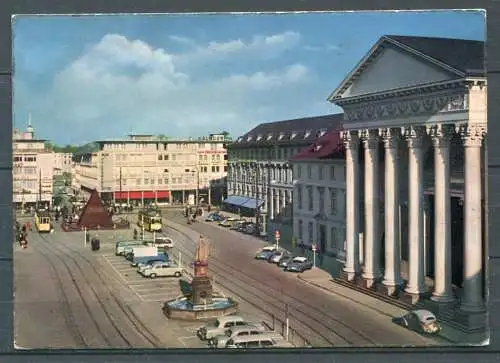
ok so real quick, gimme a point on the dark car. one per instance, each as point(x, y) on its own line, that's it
point(421, 321)
point(214, 217)
point(299, 264)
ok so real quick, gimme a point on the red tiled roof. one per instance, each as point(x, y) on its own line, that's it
point(328, 146)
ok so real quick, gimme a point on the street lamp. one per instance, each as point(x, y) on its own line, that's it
point(197, 171)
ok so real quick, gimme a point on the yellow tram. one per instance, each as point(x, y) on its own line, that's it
point(43, 221)
point(150, 220)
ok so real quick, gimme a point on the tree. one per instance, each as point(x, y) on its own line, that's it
point(163, 137)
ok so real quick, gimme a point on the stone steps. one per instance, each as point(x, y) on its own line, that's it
point(449, 315)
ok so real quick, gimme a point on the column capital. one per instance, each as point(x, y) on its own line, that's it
point(390, 137)
point(413, 135)
point(370, 138)
point(440, 134)
point(472, 135)
point(350, 139)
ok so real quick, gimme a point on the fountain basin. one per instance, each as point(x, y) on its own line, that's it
point(183, 309)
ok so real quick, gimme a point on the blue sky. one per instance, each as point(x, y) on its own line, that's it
point(92, 78)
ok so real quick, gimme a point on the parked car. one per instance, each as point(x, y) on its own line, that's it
point(267, 340)
point(238, 224)
point(144, 261)
point(264, 253)
point(221, 325)
point(285, 260)
point(277, 256)
point(162, 270)
point(161, 255)
point(121, 247)
point(220, 341)
point(226, 223)
point(214, 217)
point(243, 226)
point(250, 228)
point(164, 242)
point(299, 264)
point(143, 266)
point(422, 321)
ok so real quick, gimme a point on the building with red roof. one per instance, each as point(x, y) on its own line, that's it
point(319, 195)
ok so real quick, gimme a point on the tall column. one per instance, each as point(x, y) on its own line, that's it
point(283, 203)
point(392, 271)
point(270, 205)
point(277, 205)
point(351, 142)
point(440, 135)
point(372, 208)
point(472, 300)
point(414, 136)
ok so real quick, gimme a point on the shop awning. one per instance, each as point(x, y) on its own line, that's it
point(252, 203)
point(236, 200)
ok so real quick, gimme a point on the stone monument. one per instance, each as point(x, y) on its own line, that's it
point(201, 285)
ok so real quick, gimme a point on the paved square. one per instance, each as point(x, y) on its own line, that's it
point(146, 289)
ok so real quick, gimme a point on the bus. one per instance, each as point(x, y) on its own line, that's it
point(43, 221)
point(150, 220)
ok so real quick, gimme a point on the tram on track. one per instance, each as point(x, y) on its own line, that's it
point(43, 221)
point(150, 220)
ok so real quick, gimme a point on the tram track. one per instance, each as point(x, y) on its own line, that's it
point(327, 329)
point(117, 338)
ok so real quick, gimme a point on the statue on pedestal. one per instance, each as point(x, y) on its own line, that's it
point(201, 284)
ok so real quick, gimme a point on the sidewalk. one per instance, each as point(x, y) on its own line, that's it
point(323, 280)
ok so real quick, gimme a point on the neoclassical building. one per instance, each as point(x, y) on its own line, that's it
point(260, 174)
point(414, 132)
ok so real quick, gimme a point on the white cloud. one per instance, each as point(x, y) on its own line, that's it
point(260, 46)
point(121, 85)
point(182, 40)
point(323, 48)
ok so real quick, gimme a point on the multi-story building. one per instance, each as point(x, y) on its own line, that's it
point(62, 163)
point(146, 169)
point(259, 171)
point(32, 169)
point(319, 195)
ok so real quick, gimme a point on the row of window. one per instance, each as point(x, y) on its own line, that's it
point(27, 170)
point(271, 153)
point(321, 193)
point(278, 175)
point(334, 242)
point(322, 172)
point(26, 158)
point(204, 157)
point(164, 146)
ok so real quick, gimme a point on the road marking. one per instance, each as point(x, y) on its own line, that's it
point(153, 289)
point(154, 300)
point(147, 296)
point(123, 279)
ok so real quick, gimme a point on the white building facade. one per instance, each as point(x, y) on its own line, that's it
point(148, 169)
point(319, 209)
point(62, 163)
point(415, 125)
point(32, 170)
point(260, 173)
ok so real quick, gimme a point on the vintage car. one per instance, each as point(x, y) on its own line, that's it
point(422, 321)
point(299, 264)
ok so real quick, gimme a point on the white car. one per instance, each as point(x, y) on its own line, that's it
point(164, 242)
point(144, 266)
point(277, 256)
point(162, 270)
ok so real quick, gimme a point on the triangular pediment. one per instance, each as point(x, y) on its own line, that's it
point(389, 67)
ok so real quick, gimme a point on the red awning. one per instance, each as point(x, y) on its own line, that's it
point(147, 194)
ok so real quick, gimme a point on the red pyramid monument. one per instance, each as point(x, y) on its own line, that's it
point(94, 215)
